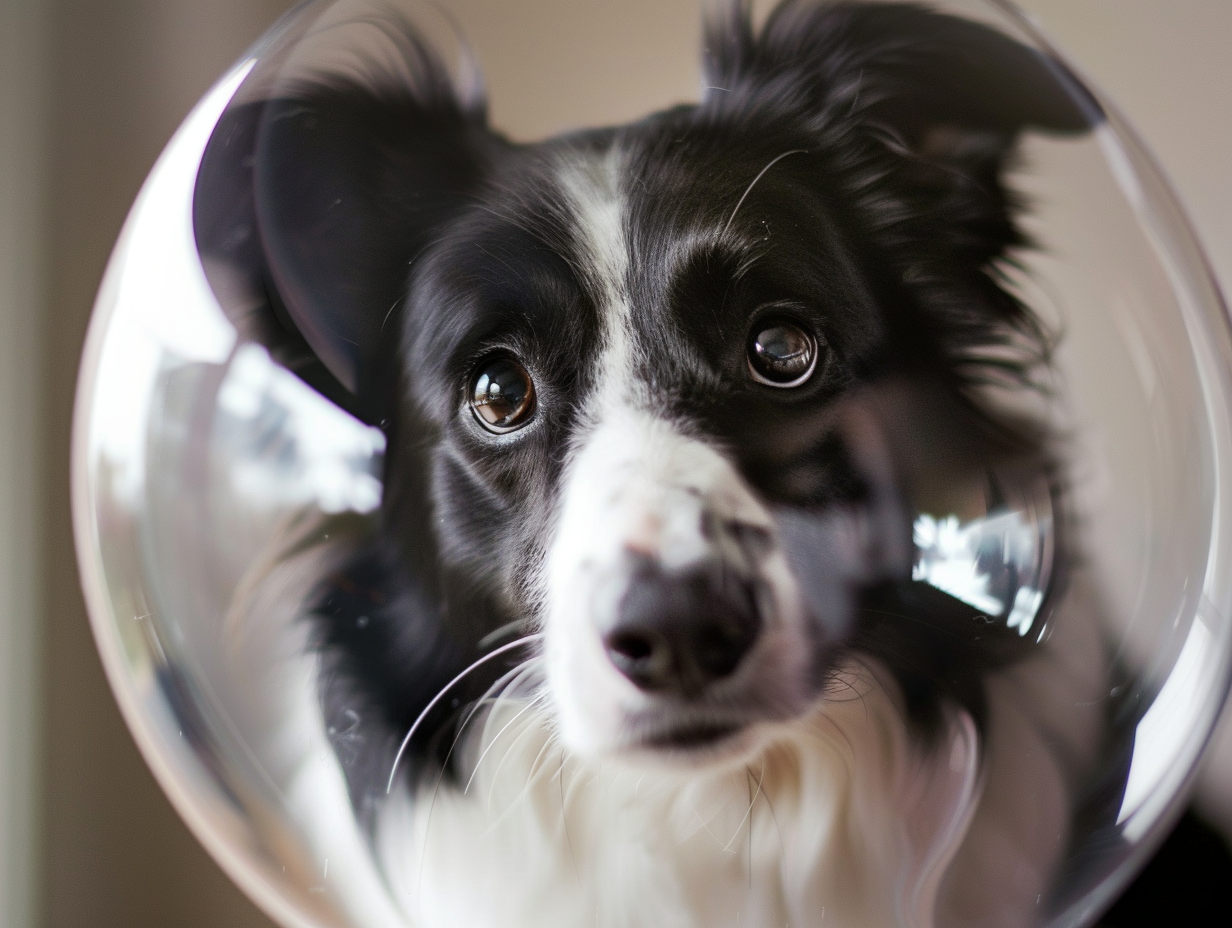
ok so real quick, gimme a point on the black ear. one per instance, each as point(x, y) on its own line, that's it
point(900, 65)
point(322, 197)
point(315, 197)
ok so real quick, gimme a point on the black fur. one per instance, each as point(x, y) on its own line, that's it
point(385, 239)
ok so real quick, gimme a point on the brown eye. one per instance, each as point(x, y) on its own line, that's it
point(781, 354)
point(502, 396)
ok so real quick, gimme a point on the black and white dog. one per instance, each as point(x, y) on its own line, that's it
point(635, 639)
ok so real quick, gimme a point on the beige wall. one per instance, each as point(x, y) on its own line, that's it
point(122, 74)
point(1167, 63)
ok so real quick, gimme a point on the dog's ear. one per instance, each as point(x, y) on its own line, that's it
point(351, 177)
point(924, 77)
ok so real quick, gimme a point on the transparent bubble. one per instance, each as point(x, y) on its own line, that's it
point(920, 621)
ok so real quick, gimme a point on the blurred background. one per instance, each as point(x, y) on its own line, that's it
point(89, 93)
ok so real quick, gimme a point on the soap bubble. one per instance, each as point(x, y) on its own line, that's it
point(235, 455)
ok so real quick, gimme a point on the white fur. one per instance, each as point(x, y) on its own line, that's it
point(838, 820)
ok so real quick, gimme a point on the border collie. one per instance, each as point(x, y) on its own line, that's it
point(639, 635)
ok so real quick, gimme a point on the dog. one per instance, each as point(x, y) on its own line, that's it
point(642, 632)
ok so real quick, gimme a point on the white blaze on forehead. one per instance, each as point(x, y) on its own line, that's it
point(591, 184)
point(634, 482)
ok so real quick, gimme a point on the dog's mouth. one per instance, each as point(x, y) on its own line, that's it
point(688, 741)
point(691, 737)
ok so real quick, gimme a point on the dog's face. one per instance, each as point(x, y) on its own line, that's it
point(631, 357)
point(634, 380)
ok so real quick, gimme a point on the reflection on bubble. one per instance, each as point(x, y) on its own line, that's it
point(991, 563)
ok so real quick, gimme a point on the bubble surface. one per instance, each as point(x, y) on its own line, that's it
point(236, 453)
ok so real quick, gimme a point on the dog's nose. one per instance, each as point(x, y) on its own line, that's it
point(680, 631)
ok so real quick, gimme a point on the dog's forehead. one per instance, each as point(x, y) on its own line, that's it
point(639, 205)
point(661, 196)
point(670, 208)
point(624, 211)
point(590, 182)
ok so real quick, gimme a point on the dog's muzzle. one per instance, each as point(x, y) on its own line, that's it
point(670, 605)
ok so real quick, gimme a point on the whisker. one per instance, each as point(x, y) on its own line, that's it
point(491, 744)
point(392, 307)
point(508, 686)
point(752, 799)
point(440, 777)
point(774, 818)
point(530, 778)
point(491, 697)
point(493, 637)
point(581, 781)
point(747, 813)
point(705, 823)
point(441, 695)
point(528, 730)
point(760, 175)
point(564, 817)
point(816, 729)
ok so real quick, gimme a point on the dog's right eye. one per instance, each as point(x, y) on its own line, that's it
point(502, 396)
point(782, 354)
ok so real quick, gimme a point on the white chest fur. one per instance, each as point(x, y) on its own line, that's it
point(838, 820)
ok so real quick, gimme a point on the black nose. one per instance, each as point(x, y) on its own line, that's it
point(679, 631)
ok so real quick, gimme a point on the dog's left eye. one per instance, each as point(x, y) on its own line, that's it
point(502, 395)
point(781, 354)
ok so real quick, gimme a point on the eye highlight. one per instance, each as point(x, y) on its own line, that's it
point(502, 396)
point(781, 353)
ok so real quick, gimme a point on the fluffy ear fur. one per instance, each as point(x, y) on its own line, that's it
point(917, 114)
point(898, 65)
